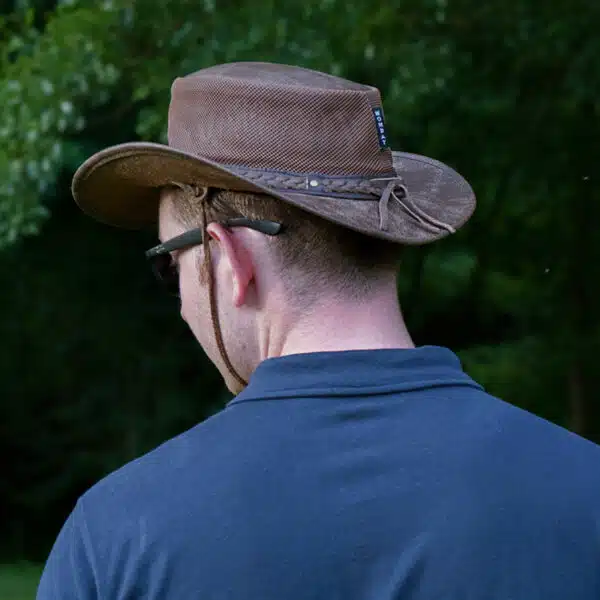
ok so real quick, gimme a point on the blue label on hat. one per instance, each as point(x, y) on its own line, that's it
point(378, 114)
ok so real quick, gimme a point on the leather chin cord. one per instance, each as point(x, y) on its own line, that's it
point(214, 313)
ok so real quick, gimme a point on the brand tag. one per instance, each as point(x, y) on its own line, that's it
point(378, 114)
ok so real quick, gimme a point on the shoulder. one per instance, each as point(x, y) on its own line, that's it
point(141, 484)
point(522, 463)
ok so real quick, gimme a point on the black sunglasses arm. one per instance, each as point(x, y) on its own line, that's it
point(189, 238)
point(262, 226)
point(194, 236)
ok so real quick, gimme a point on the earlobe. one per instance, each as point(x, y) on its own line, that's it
point(242, 273)
point(239, 292)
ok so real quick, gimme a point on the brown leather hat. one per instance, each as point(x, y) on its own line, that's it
point(308, 138)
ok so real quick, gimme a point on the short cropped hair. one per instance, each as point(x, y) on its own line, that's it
point(313, 254)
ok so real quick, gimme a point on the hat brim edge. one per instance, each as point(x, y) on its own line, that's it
point(120, 186)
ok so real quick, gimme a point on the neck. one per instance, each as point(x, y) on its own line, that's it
point(332, 326)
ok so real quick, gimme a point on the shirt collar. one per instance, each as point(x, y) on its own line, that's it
point(354, 373)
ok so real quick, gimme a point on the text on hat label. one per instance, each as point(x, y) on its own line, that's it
point(378, 114)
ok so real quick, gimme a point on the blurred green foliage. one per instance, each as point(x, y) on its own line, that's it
point(96, 368)
point(19, 582)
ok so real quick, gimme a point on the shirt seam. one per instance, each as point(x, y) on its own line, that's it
point(87, 540)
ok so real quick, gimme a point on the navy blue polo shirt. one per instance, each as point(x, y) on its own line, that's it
point(360, 475)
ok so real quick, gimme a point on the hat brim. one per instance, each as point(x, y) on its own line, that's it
point(121, 186)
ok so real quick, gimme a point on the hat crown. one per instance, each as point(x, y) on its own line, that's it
point(280, 118)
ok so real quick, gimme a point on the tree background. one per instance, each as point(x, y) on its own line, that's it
point(96, 368)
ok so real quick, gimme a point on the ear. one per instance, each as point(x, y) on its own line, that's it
point(238, 260)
